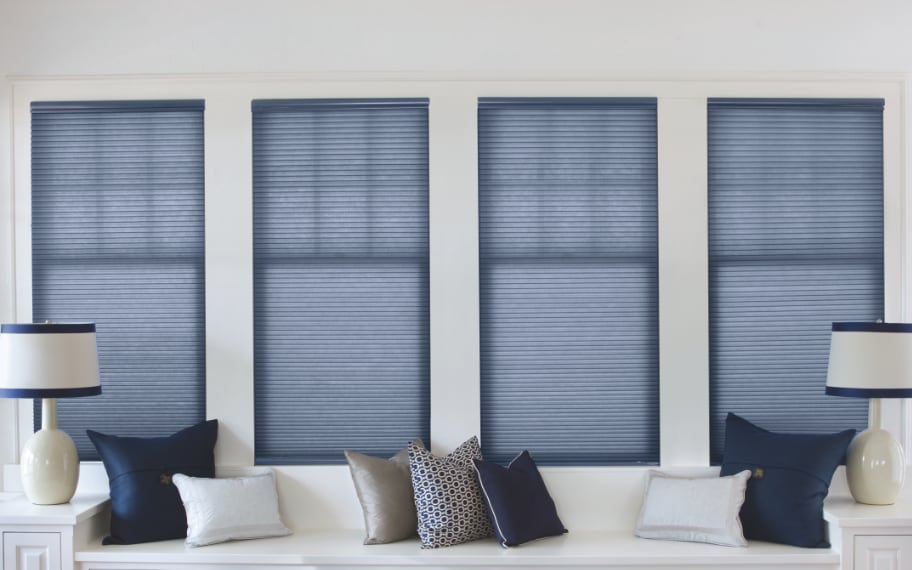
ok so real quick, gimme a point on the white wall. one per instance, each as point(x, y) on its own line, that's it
point(544, 39)
point(203, 36)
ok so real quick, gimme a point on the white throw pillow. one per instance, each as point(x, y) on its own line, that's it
point(694, 509)
point(240, 508)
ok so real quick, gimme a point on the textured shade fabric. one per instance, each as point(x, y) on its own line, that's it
point(796, 222)
point(238, 508)
point(568, 234)
point(693, 509)
point(341, 282)
point(384, 488)
point(791, 476)
point(450, 507)
point(145, 504)
point(518, 502)
point(117, 221)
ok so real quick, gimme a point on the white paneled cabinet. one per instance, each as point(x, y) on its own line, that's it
point(871, 537)
point(31, 550)
point(37, 537)
point(890, 552)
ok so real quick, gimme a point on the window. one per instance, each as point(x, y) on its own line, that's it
point(569, 279)
point(341, 294)
point(796, 242)
point(117, 238)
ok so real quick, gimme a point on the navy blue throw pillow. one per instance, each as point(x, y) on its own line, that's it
point(145, 504)
point(790, 478)
point(517, 500)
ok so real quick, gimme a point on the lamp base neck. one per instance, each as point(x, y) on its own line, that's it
point(49, 413)
point(875, 414)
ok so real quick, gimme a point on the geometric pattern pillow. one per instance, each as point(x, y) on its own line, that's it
point(450, 507)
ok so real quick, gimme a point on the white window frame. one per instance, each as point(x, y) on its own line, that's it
point(455, 401)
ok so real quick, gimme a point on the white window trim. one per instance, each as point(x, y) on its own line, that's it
point(455, 404)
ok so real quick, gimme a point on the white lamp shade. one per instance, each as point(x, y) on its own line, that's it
point(49, 361)
point(870, 360)
point(55, 360)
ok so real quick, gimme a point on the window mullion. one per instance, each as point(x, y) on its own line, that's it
point(683, 283)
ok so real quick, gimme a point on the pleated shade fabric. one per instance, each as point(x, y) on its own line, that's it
point(341, 282)
point(795, 243)
point(569, 280)
point(117, 239)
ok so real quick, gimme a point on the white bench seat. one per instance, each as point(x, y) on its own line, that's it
point(336, 549)
point(598, 505)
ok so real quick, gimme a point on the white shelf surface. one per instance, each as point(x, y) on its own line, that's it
point(15, 509)
point(845, 512)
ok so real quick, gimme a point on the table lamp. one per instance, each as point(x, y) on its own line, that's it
point(49, 361)
point(872, 360)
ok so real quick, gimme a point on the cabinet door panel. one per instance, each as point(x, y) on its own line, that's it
point(31, 551)
point(883, 553)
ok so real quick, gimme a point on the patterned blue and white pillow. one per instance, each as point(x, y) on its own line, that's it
point(447, 496)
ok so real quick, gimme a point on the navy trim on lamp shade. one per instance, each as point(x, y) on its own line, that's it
point(50, 393)
point(870, 392)
point(47, 328)
point(873, 327)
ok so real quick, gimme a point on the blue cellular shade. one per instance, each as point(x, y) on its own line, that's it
point(795, 243)
point(117, 238)
point(341, 290)
point(569, 280)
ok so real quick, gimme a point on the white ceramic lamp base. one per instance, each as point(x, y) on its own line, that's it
point(875, 467)
point(49, 462)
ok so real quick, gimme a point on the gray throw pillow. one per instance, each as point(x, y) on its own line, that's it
point(384, 488)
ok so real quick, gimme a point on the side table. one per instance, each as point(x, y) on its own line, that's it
point(870, 537)
point(36, 537)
